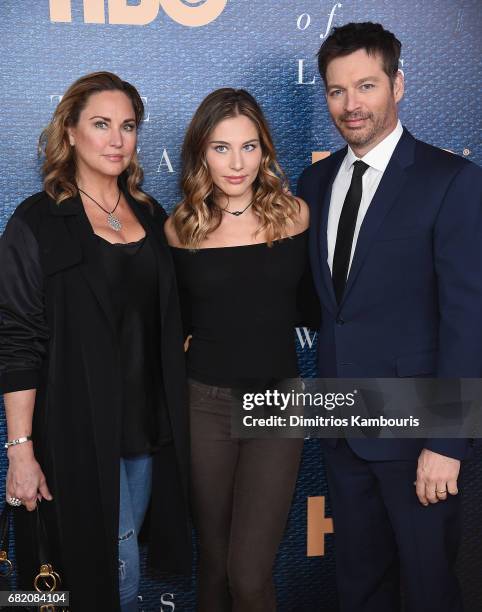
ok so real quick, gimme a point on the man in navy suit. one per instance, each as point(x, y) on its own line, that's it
point(396, 253)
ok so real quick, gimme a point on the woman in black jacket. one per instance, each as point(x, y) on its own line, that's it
point(91, 358)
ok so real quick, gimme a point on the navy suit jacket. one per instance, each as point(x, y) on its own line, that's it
point(413, 299)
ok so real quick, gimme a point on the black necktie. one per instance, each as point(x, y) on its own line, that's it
point(346, 229)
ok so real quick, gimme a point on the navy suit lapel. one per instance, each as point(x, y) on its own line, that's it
point(385, 197)
point(322, 239)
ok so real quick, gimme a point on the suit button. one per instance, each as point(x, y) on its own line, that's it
point(340, 321)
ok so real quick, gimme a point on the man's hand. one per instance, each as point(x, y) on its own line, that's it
point(436, 477)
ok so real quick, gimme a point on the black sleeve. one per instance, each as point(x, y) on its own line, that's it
point(23, 329)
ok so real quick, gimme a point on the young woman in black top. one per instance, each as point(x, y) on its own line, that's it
point(91, 357)
point(240, 249)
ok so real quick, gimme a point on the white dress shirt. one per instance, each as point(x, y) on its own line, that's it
point(377, 159)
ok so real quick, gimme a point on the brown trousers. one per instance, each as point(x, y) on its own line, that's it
point(242, 491)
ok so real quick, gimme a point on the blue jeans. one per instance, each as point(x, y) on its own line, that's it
point(135, 492)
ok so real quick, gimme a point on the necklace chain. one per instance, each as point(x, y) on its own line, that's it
point(108, 212)
point(113, 221)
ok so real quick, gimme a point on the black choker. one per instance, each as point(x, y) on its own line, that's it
point(237, 213)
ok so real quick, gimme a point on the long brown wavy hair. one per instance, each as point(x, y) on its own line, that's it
point(197, 215)
point(59, 167)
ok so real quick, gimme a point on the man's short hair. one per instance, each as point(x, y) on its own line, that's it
point(354, 36)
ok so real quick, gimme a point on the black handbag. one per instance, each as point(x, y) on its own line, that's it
point(47, 579)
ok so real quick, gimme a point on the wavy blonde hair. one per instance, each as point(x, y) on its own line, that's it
point(197, 215)
point(59, 167)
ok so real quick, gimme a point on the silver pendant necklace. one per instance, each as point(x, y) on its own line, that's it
point(113, 221)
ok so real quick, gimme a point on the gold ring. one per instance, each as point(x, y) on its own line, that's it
point(441, 492)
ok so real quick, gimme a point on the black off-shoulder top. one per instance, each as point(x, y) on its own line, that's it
point(241, 305)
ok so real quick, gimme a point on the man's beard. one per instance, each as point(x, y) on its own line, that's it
point(362, 136)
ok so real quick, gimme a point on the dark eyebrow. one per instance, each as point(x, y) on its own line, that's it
point(368, 78)
point(108, 120)
point(359, 82)
point(227, 143)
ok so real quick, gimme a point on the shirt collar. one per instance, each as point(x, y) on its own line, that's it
point(379, 156)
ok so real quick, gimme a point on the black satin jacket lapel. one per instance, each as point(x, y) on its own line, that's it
point(81, 228)
point(68, 239)
point(386, 195)
point(58, 249)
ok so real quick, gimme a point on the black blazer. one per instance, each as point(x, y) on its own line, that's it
point(57, 336)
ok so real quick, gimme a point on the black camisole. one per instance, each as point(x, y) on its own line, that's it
point(240, 304)
point(131, 273)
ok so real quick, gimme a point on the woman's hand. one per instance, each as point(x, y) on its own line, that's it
point(25, 479)
point(187, 342)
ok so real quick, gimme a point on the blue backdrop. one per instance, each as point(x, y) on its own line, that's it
point(268, 48)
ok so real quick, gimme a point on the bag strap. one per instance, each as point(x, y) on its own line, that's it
point(47, 579)
point(6, 567)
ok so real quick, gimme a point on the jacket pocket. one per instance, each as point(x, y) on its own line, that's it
point(417, 364)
